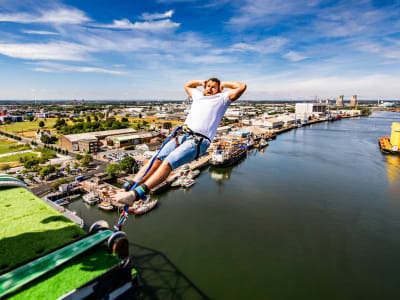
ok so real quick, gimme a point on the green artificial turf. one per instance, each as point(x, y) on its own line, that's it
point(30, 228)
point(69, 276)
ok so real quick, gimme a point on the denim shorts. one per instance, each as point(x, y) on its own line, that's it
point(184, 153)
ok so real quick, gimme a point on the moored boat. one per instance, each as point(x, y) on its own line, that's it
point(105, 205)
point(146, 206)
point(193, 174)
point(91, 198)
point(187, 183)
point(177, 183)
point(263, 143)
point(62, 202)
point(226, 157)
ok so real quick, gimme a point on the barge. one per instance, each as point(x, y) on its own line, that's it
point(391, 145)
point(225, 156)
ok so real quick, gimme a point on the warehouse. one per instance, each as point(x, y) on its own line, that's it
point(90, 141)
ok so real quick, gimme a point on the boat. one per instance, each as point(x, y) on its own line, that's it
point(91, 198)
point(62, 202)
point(105, 205)
point(135, 206)
point(73, 197)
point(250, 144)
point(177, 182)
point(146, 206)
point(188, 182)
point(391, 145)
point(263, 143)
point(193, 174)
point(227, 156)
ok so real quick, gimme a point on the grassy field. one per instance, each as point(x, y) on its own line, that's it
point(7, 146)
point(27, 125)
point(16, 157)
point(148, 120)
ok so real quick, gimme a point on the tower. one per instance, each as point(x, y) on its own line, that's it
point(353, 101)
point(339, 100)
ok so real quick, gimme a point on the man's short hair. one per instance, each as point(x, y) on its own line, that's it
point(215, 80)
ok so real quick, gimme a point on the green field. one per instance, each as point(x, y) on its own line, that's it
point(27, 125)
point(16, 157)
point(7, 146)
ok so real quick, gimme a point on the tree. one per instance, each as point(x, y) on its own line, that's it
point(124, 120)
point(45, 139)
point(30, 118)
point(113, 170)
point(88, 119)
point(128, 164)
point(29, 163)
point(96, 118)
point(78, 157)
point(41, 124)
point(86, 160)
point(47, 171)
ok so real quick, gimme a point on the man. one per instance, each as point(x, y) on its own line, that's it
point(201, 124)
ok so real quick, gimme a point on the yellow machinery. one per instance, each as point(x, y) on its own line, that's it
point(395, 136)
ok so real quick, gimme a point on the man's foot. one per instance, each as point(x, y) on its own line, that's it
point(124, 197)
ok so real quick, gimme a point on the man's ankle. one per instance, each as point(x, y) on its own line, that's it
point(141, 191)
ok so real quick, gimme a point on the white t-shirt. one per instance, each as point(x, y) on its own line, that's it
point(206, 112)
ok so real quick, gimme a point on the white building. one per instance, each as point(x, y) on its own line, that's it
point(270, 123)
point(306, 111)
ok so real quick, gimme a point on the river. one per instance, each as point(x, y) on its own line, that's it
point(314, 216)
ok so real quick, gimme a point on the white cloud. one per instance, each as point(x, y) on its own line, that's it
point(376, 86)
point(294, 56)
point(157, 16)
point(47, 51)
point(252, 12)
point(55, 16)
point(39, 32)
point(150, 26)
point(264, 46)
point(56, 68)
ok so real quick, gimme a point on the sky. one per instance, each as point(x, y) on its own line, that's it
point(132, 50)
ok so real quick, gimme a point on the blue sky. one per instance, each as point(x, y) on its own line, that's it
point(291, 49)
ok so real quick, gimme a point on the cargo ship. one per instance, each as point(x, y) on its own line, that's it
point(225, 156)
point(391, 145)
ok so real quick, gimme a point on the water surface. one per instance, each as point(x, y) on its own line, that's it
point(315, 216)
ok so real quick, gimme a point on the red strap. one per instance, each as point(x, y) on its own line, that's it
point(176, 141)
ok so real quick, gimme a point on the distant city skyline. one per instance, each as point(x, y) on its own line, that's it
point(146, 50)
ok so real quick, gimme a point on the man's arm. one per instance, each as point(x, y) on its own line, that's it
point(192, 84)
point(237, 89)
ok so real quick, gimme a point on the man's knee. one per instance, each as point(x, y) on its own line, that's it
point(166, 164)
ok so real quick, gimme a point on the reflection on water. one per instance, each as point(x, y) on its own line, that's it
point(393, 168)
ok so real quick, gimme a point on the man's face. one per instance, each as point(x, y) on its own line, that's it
point(211, 88)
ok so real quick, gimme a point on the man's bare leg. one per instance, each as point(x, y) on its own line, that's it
point(155, 166)
point(159, 175)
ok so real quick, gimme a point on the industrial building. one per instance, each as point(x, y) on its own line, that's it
point(132, 139)
point(353, 101)
point(12, 118)
point(339, 100)
point(90, 141)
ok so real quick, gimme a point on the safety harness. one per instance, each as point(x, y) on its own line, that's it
point(184, 129)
